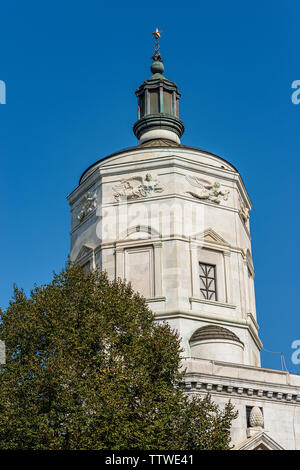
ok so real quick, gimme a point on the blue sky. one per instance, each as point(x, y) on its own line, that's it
point(71, 69)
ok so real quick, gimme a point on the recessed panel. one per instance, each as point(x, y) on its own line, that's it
point(139, 270)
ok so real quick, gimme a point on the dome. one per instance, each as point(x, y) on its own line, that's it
point(214, 332)
point(215, 343)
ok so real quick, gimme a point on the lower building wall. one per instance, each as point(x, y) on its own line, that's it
point(281, 420)
point(276, 393)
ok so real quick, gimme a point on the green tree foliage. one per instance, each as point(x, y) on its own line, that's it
point(89, 368)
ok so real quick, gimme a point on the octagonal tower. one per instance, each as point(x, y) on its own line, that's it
point(174, 221)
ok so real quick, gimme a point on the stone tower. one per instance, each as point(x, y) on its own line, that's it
point(174, 220)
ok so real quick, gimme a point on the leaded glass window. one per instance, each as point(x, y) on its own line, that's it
point(208, 281)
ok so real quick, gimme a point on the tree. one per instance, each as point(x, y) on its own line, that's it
point(87, 367)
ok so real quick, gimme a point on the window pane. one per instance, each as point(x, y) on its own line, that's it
point(204, 293)
point(167, 102)
point(154, 101)
point(141, 105)
point(202, 270)
point(207, 274)
point(212, 296)
point(210, 271)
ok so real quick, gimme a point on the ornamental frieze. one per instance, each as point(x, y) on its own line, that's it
point(137, 187)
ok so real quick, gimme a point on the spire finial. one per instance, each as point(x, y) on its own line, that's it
point(157, 66)
point(156, 35)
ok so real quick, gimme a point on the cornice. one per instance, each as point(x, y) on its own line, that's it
point(212, 302)
point(167, 161)
point(213, 318)
point(173, 237)
point(241, 388)
point(139, 149)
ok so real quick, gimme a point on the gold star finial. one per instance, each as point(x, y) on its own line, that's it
point(156, 34)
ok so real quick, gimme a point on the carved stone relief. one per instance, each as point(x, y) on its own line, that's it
point(89, 204)
point(137, 187)
point(244, 212)
point(207, 190)
point(248, 260)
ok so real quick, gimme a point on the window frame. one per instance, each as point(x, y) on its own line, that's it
point(215, 291)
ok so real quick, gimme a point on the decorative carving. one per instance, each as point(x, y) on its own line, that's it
point(89, 203)
point(244, 212)
point(137, 187)
point(256, 418)
point(209, 191)
point(83, 252)
point(210, 236)
point(246, 254)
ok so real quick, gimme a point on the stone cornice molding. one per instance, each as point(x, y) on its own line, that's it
point(155, 299)
point(121, 245)
point(212, 302)
point(194, 243)
point(169, 196)
point(200, 383)
point(213, 318)
point(252, 319)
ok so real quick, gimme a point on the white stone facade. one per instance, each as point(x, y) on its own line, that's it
point(155, 214)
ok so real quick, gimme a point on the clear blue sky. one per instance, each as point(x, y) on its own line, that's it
point(71, 69)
